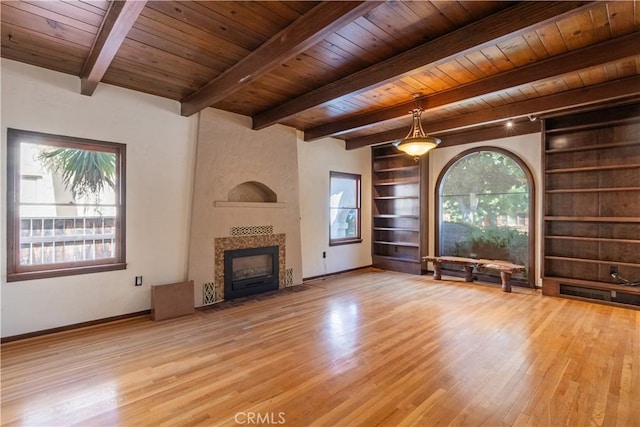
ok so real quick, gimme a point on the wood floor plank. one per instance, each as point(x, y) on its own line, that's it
point(360, 349)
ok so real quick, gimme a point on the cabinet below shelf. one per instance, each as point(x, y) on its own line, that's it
point(405, 265)
point(592, 283)
point(592, 291)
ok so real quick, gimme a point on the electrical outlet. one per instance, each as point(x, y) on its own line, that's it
point(324, 254)
point(613, 270)
point(138, 281)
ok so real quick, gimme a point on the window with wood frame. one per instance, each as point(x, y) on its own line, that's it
point(344, 208)
point(65, 205)
point(485, 209)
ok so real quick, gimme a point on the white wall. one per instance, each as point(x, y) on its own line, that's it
point(160, 164)
point(526, 147)
point(315, 160)
point(160, 173)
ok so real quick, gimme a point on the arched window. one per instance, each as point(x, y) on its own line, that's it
point(485, 210)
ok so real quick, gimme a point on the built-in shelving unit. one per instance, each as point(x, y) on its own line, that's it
point(592, 204)
point(398, 233)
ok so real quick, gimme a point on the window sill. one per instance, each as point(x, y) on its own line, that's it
point(344, 242)
point(67, 271)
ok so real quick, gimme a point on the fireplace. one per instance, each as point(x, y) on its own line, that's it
point(250, 271)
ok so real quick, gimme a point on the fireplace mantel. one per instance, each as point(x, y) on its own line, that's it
point(227, 204)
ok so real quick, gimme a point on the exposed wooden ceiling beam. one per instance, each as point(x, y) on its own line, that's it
point(598, 54)
point(116, 24)
point(624, 88)
point(309, 29)
point(493, 29)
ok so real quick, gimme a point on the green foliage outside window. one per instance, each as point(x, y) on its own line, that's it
point(494, 243)
point(483, 186)
point(84, 172)
point(485, 208)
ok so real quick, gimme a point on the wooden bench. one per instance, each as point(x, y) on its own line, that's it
point(505, 268)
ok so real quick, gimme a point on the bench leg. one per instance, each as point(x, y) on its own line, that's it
point(437, 271)
point(506, 278)
point(468, 273)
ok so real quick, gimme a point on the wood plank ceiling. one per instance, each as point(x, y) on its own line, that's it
point(344, 69)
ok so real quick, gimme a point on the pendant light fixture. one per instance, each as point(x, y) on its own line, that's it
point(416, 143)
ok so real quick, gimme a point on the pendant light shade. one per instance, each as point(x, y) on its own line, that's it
point(416, 143)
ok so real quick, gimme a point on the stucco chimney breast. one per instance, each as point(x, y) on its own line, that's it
point(243, 179)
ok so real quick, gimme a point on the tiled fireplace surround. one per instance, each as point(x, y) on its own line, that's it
point(223, 244)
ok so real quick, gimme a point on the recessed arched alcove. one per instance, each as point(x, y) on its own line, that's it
point(252, 191)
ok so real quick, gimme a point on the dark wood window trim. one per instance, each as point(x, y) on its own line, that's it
point(532, 200)
point(17, 272)
point(349, 240)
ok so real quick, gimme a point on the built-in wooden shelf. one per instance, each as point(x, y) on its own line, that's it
point(407, 244)
point(397, 169)
point(593, 261)
point(414, 230)
point(398, 182)
point(390, 156)
point(591, 190)
point(593, 239)
point(593, 218)
point(581, 196)
point(591, 125)
point(593, 168)
point(398, 238)
point(396, 216)
point(395, 197)
point(592, 147)
point(398, 258)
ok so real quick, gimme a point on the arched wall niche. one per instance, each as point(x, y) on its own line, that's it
point(252, 191)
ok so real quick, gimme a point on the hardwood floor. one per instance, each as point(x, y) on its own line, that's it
point(365, 348)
